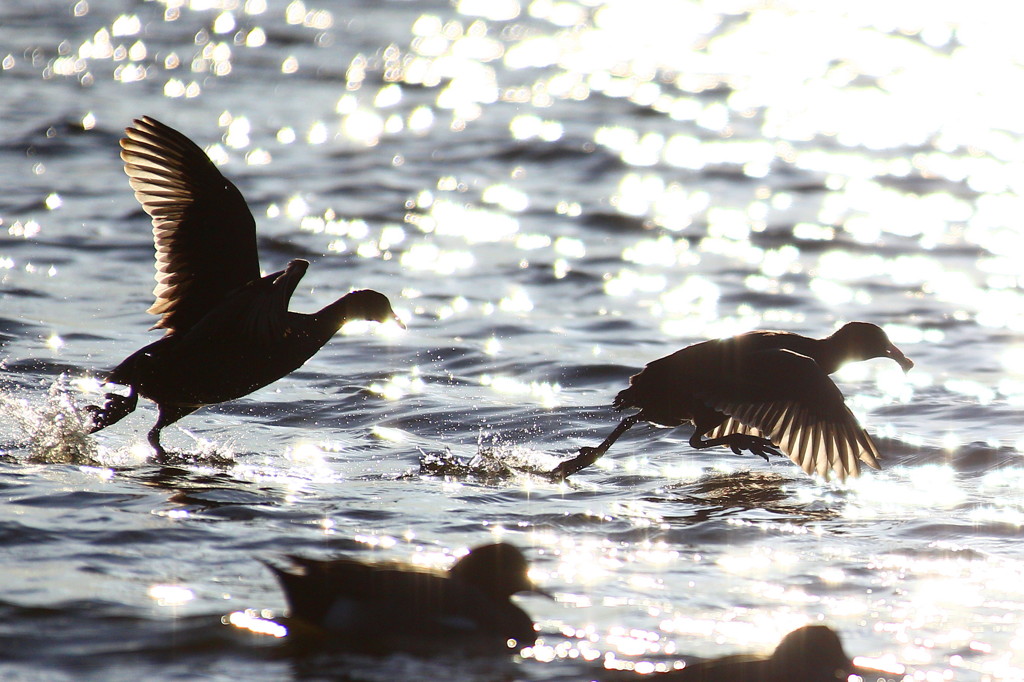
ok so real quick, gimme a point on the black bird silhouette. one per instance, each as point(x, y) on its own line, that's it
point(229, 330)
point(388, 607)
point(758, 391)
point(813, 653)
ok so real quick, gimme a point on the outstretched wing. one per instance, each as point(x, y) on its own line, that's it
point(204, 233)
point(792, 402)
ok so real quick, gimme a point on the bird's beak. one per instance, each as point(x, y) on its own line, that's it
point(541, 591)
point(527, 586)
point(399, 322)
point(893, 670)
point(902, 360)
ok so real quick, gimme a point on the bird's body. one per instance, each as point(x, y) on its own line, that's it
point(229, 330)
point(279, 342)
point(813, 653)
point(386, 607)
point(758, 391)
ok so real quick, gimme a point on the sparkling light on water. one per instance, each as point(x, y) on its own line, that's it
point(253, 622)
point(558, 192)
point(170, 595)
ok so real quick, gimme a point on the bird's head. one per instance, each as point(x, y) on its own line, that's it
point(812, 652)
point(367, 304)
point(499, 570)
point(863, 341)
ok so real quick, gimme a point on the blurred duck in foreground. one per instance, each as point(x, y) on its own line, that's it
point(381, 608)
point(812, 653)
point(762, 391)
point(228, 330)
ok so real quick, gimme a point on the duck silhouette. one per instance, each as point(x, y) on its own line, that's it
point(382, 608)
point(228, 329)
point(762, 391)
point(813, 653)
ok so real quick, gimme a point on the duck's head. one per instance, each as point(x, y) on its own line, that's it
point(813, 650)
point(367, 304)
point(863, 341)
point(500, 570)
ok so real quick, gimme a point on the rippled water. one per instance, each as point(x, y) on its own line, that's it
point(552, 193)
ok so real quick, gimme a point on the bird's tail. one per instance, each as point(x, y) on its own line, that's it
point(115, 408)
point(305, 590)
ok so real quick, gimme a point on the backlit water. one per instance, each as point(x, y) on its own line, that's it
point(552, 193)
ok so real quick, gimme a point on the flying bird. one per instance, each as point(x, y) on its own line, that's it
point(762, 391)
point(228, 330)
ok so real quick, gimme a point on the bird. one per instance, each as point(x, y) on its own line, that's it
point(762, 391)
point(228, 330)
point(813, 653)
point(344, 604)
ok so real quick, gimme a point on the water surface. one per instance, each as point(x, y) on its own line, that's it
point(551, 194)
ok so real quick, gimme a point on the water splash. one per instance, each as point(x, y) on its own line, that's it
point(204, 453)
point(491, 464)
point(54, 431)
point(483, 466)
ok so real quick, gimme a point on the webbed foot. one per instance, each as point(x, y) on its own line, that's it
point(587, 456)
point(115, 408)
point(762, 447)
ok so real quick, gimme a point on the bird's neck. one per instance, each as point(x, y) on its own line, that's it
point(331, 318)
point(831, 355)
point(828, 355)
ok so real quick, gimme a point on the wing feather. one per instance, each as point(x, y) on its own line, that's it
point(203, 231)
point(794, 404)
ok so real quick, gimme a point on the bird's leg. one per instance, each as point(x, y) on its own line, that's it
point(115, 408)
point(590, 455)
point(168, 415)
point(154, 440)
point(737, 442)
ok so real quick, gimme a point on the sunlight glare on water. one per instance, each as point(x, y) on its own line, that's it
point(170, 595)
point(551, 194)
